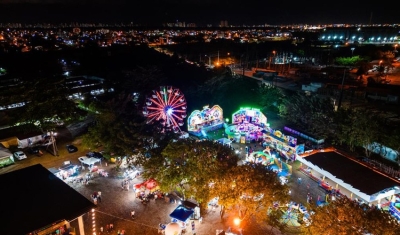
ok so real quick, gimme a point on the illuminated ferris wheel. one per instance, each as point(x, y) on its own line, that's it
point(167, 104)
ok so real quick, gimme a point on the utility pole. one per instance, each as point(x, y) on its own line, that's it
point(341, 90)
point(256, 60)
point(243, 66)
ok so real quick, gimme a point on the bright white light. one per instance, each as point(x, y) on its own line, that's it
point(170, 111)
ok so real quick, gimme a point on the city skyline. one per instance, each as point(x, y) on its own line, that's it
point(194, 11)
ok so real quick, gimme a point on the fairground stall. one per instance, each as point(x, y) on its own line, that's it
point(208, 119)
point(247, 125)
point(68, 170)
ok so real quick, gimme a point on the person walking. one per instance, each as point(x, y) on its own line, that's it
point(132, 214)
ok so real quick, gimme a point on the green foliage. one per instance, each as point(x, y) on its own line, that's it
point(271, 97)
point(119, 127)
point(312, 114)
point(189, 165)
point(348, 61)
point(351, 127)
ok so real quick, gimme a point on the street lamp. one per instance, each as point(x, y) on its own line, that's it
point(352, 50)
point(395, 47)
point(236, 221)
point(269, 65)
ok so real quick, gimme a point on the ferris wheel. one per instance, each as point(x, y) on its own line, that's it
point(167, 104)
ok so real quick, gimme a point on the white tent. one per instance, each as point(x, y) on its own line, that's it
point(90, 161)
point(224, 141)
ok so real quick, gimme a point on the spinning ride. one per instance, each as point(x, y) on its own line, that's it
point(208, 119)
point(167, 104)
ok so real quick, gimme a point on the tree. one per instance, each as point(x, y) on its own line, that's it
point(312, 113)
point(118, 126)
point(189, 166)
point(363, 67)
point(348, 61)
point(271, 97)
point(351, 128)
point(345, 216)
point(248, 191)
point(341, 216)
point(44, 98)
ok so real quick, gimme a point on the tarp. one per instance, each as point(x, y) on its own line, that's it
point(224, 141)
point(12, 141)
point(181, 213)
point(90, 161)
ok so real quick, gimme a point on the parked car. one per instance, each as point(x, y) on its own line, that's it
point(71, 148)
point(19, 155)
point(95, 155)
point(35, 150)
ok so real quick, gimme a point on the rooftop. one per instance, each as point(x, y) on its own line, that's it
point(358, 176)
point(34, 197)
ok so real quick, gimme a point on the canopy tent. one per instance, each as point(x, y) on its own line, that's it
point(224, 141)
point(181, 213)
point(90, 161)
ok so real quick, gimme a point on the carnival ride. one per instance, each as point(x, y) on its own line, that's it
point(168, 105)
point(247, 125)
point(294, 214)
point(269, 160)
point(208, 119)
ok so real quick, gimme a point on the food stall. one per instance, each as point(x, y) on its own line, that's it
point(68, 170)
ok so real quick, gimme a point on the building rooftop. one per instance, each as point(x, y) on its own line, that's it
point(33, 198)
point(355, 174)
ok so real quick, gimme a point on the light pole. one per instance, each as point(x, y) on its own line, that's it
point(53, 142)
point(274, 55)
point(352, 50)
point(341, 90)
point(269, 65)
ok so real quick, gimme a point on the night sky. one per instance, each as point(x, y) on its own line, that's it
point(198, 11)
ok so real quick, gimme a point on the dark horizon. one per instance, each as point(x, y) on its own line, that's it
point(192, 11)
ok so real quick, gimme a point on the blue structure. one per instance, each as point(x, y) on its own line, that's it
point(182, 213)
point(394, 209)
